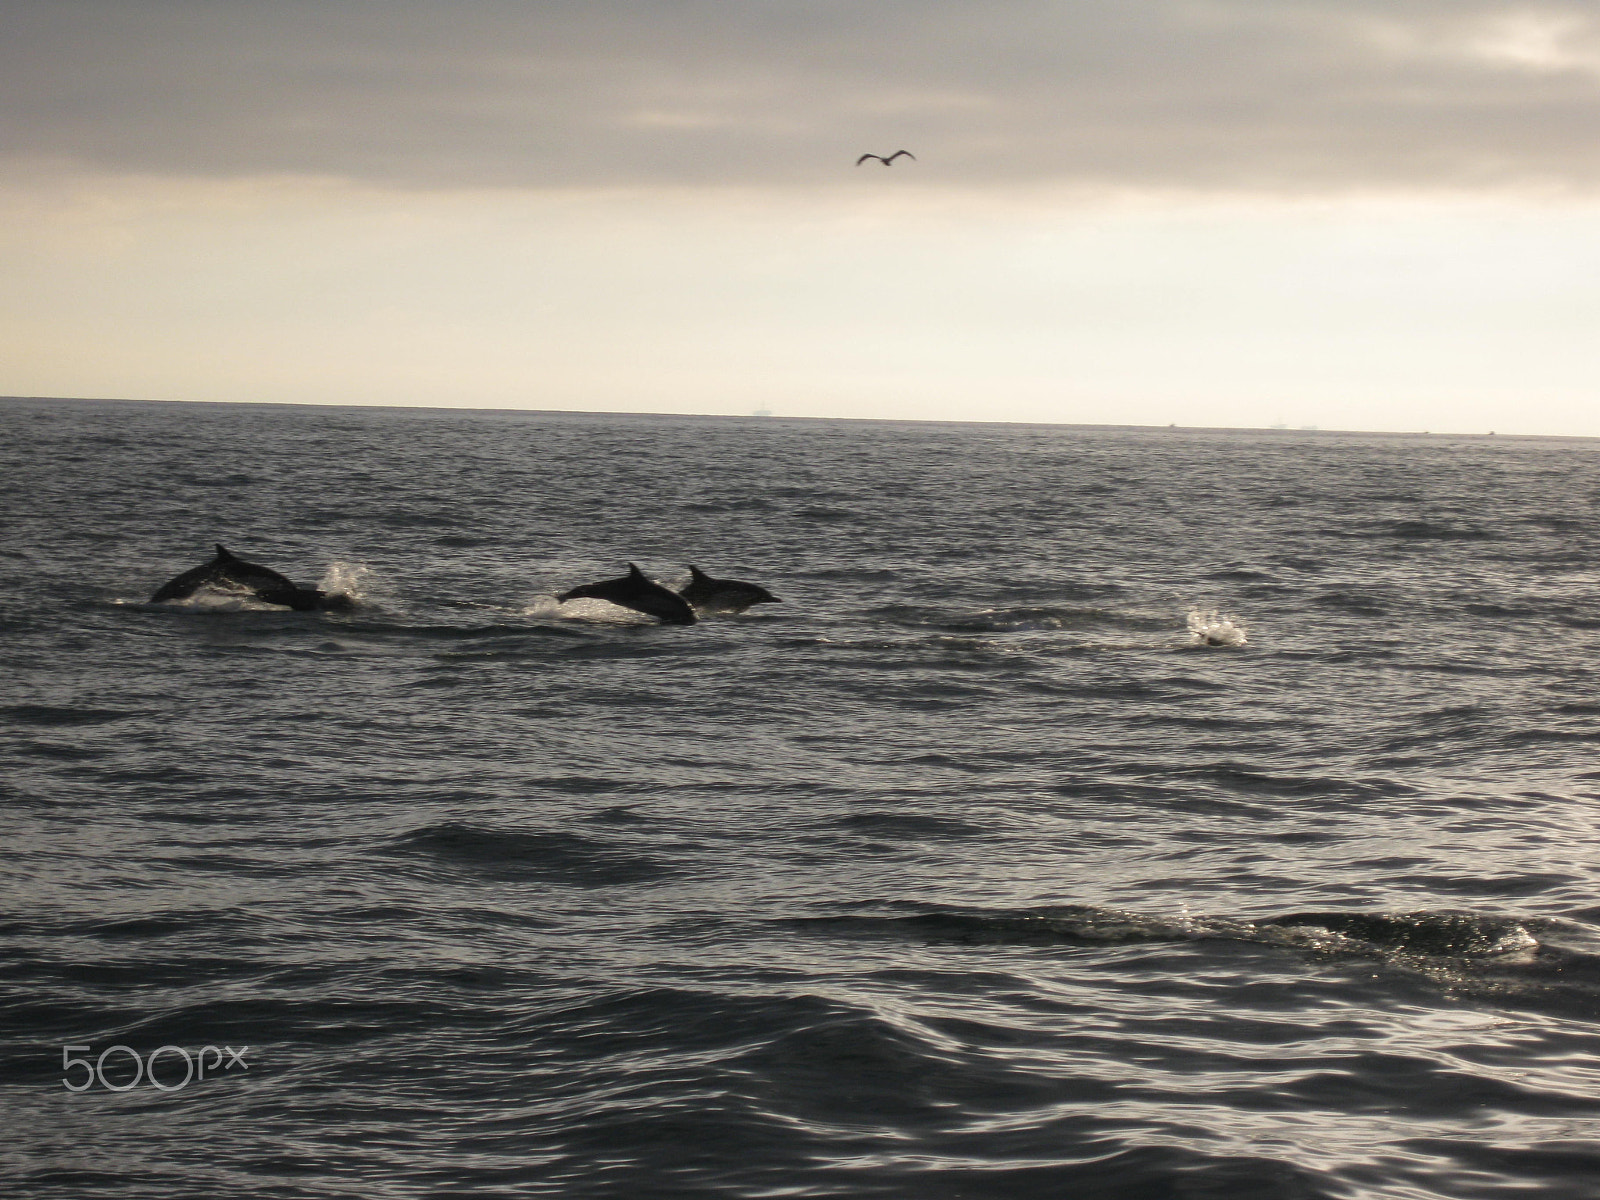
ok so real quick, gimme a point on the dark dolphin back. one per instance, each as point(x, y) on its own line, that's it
point(637, 591)
point(701, 586)
point(736, 595)
point(186, 584)
point(229, 571)
point(196, 578)
point(262, 580)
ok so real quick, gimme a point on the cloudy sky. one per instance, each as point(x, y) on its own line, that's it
point(1360, 214)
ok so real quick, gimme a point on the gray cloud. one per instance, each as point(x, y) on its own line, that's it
point(1280, 95)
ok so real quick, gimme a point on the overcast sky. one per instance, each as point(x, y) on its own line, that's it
point(1353, 214)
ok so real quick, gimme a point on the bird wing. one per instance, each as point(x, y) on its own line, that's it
point(898, 153)
point(864, 158)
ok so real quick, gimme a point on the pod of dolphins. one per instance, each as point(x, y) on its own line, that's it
point(229, 573)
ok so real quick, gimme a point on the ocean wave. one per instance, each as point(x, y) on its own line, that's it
point(551, 855)
point(979, 875)
point(1435, 531)
point(1403, 938)
point(48, 715)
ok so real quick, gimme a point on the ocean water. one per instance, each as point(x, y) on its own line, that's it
point(1102, 813)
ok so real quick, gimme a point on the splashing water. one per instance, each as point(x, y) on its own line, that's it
point(1211, 628)
point(584, 609)
point(601, 612)
point(345, 577)
point(221, 599)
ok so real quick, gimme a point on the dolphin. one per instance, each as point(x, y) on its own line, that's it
point(635, 591)
point(229, 573)
point(723, 595)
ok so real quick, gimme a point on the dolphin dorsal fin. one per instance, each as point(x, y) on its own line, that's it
point(634, 572)
point(696, 573)
point(222, 551)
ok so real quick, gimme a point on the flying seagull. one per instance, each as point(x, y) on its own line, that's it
point(886, 161)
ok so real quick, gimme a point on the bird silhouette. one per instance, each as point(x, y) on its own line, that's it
point(886, 161)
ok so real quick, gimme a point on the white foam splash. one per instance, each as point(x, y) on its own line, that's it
point(348, 578)
point(543, 606)
point(1515, 941)
point(210, 599)
point(1208, 627)
point(586, 608)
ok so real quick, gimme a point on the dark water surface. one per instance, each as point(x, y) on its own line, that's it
point(969, 870)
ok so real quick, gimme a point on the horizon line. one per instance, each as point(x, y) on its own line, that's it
point(768, 416)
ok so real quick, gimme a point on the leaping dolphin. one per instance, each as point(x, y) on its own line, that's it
point(723, 595)
point(229, 573)
point(639, 593)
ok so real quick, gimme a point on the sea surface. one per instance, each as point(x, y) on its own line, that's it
point(1124, 813)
